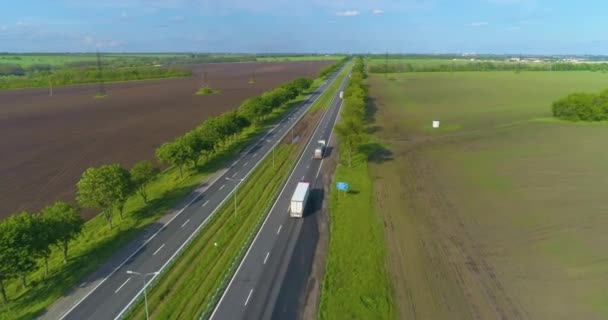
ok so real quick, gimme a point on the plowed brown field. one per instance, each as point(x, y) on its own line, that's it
point(47, 142)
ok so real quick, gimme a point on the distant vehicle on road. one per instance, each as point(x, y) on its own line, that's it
point(298, 200)
point(319, 150)
point(341, 94)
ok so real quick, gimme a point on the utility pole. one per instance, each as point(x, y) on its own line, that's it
point(236, 181)
point(102, 89)
point(50, 87)
point(267, 140)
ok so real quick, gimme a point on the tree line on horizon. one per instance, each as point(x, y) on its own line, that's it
point(485, 66)
point(14, 76)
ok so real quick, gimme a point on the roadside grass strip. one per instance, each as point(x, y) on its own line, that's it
point(356, 283)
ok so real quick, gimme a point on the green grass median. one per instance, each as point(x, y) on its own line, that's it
point(186, 289)
point(356, 283)
point(325, 98)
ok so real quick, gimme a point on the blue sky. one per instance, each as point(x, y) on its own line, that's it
point(429, 26)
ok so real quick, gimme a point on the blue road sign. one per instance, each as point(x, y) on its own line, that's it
point(342, 186)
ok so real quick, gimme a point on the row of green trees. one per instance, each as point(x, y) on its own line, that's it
point(27, 238)
point(326, 71)
point(485, 66)
point(217, 132)
point(108, 187)
point(582, 106)
point(41, 77)
point(351, 129)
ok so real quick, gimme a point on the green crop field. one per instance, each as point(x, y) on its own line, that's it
point(500, 212)
point(416, 61)
point(26, 60)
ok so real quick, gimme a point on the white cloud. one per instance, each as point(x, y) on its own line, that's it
point(347, 13)
point(377, 11)
point(513, 28)
point(178, 19)
point(22, 23)
point(478, 24)
point(102, 43)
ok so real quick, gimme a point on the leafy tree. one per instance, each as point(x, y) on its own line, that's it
point(302, 83)
point(124, 187)
point(43, 238)
point(351, 133)
point(9, 254)
point(577, 106)
point(65, 222)
point(18, 246)
point(141, 174)
point(176, 153)
point(252, 109)
point(103, 188)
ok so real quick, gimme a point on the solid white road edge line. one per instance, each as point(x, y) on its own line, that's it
point(122, 285)
point(205, 222)
point(275, 203)
point(328, 140)
point(149, 239)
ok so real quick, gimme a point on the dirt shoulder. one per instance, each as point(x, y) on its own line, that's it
point(313, 295)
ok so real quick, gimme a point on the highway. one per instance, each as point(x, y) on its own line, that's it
point(253, 290)
point(117, 290)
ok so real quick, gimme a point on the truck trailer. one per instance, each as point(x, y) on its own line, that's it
point(298, 200)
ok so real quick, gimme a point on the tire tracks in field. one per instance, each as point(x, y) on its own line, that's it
point(453, 251)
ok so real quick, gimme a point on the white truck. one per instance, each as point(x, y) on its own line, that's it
point(319, 150)
point(341, 94)
point(298, 200)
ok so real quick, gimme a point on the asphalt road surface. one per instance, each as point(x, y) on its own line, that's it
point(112, 297)
point(253, 290)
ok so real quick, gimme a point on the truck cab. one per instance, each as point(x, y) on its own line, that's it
point(319, 150)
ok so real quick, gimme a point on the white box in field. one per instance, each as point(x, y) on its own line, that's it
point(435, 124)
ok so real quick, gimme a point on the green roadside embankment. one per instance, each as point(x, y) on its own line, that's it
point(356, 283)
